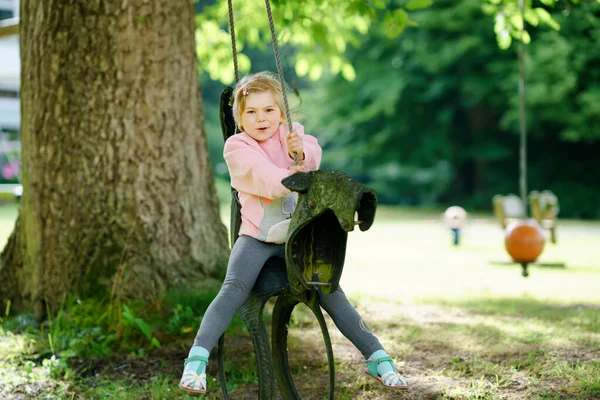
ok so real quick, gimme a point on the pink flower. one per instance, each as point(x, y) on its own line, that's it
point(10, 171)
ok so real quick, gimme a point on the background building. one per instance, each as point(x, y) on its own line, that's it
point(10, 107)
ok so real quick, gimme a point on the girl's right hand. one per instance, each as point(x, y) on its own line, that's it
point(295, 144)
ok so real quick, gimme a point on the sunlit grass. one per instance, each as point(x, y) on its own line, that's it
point(407, 255)
point(8, 215)
point(414, 260)
point(19, 367)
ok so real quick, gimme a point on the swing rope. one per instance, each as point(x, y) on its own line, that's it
point(233, 46)
point(277, 60)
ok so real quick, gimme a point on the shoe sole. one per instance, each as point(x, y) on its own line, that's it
point(384, 385)
point(193, 391)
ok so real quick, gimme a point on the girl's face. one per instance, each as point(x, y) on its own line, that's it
point(262, 116)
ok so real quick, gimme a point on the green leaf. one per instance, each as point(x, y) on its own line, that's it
point(155, 344)
point(488, 9)
point(226, 75)
point(418, 4)
point(144, 327)
point(504, 40)
point(379, 4)
point(335, 65)
point(532, 17)
point(547, 18)
point(130, 318)
point(302, 67)
point(395, 23)
point(319, 32)
point(348, 72)
point(127, 314)
point(315, 72)
point(244, 63)
point(516, 21)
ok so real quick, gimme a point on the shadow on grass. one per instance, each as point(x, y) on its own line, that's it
point(586, 316)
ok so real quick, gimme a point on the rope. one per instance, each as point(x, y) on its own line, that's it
point(233, 46)
point(280, 71)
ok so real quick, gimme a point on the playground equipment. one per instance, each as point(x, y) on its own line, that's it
point(455, 218)
point(524, 242)
point(508, 208)
point(544, 209)
point(524, 238)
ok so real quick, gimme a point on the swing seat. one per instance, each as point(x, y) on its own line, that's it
point(544, 209)
point(508, 208)
point(316, 245)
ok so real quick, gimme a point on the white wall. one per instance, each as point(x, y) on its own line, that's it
point(10, 73)
point(10, 63)
point(10, 76)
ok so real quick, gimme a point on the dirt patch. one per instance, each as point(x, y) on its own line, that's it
point(167, 362)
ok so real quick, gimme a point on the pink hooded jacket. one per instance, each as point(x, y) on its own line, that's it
point(256, 170)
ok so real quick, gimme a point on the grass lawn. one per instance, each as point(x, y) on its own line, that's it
point(461, 323)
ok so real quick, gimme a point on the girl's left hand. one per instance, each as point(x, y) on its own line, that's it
point(296, 168)
point(295, 144)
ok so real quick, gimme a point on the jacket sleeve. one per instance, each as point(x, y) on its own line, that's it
point(312, 150)
point(252, 172)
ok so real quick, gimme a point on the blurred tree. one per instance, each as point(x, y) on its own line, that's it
point(563, 109)
point(433, 115)
point(511, 19)
point(415, 122)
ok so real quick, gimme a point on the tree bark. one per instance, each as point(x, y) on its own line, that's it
point(118, 189)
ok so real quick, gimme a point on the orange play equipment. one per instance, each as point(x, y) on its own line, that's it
point(524, 241)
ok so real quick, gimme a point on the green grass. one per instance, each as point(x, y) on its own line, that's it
point(8, 213)
point(461, 322)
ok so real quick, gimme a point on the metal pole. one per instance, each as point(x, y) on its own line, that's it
point(523, 147)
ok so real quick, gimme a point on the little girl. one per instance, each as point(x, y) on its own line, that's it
point(258, 159)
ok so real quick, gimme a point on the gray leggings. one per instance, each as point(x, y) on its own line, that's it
point(245, 263)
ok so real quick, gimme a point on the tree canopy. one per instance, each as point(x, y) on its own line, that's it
point(319, 31)
point(432, 115)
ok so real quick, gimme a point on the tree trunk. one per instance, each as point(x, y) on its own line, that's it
point(118, 189)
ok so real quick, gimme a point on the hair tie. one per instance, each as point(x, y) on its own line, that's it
point(245, 91)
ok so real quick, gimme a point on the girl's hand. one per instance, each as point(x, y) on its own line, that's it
point(296, 168)
point(295, 144)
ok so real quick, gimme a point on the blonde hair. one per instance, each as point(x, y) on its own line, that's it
point(259, 82)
